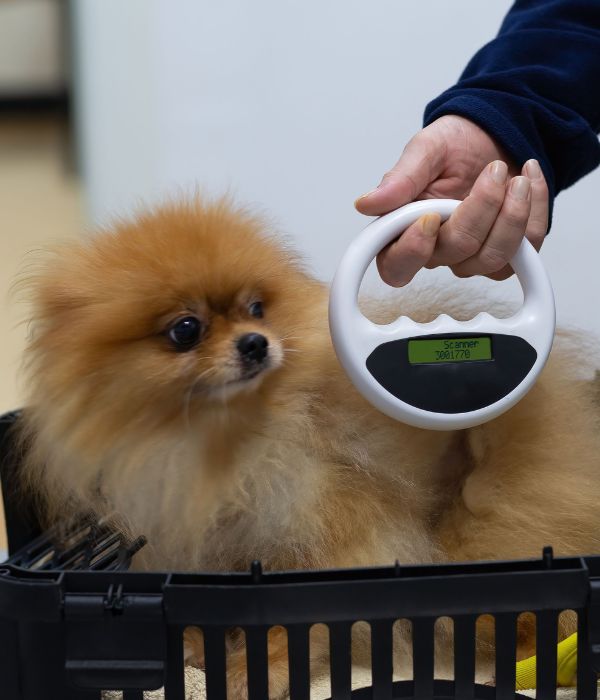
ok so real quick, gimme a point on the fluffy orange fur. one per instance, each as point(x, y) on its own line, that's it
point(291, 465)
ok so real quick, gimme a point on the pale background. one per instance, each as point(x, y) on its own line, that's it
point(295, 107)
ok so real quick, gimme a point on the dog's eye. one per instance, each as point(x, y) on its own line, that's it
point(256, 309)
point(185, 334)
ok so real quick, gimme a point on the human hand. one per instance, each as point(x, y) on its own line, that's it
point(454, 158)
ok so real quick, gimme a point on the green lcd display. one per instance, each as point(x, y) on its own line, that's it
point(449, 350)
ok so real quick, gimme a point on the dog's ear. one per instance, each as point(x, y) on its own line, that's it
point(53, 282)
point(56, 296)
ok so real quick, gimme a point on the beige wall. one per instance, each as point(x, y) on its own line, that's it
point(30, 51)
point(39, 202)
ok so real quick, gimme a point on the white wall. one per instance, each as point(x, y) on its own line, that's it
point(296, 106)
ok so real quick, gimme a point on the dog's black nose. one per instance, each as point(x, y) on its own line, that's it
point(253, 347)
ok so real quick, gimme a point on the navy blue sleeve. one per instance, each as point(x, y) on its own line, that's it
point(536, 88)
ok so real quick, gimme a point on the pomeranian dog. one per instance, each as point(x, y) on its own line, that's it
point(182, 383)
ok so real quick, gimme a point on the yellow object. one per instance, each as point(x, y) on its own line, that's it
point(566, 666)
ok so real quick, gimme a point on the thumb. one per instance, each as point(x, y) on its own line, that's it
point(419, 164)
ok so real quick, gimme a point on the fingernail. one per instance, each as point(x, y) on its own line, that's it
point(519, 187)
point(532, 168)
point(430, 224)
point(366, 194)
point(499, 171)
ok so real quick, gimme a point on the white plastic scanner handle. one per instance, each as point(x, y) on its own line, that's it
point(355, 337)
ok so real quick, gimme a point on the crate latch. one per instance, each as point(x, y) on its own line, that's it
point(115, 641)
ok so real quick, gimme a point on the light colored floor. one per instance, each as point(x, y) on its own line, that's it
point(40, 201)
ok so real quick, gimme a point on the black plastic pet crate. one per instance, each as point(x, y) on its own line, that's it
point(74, 621)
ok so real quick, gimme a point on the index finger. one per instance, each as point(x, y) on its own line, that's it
point(400, 261)
point(469, 225)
